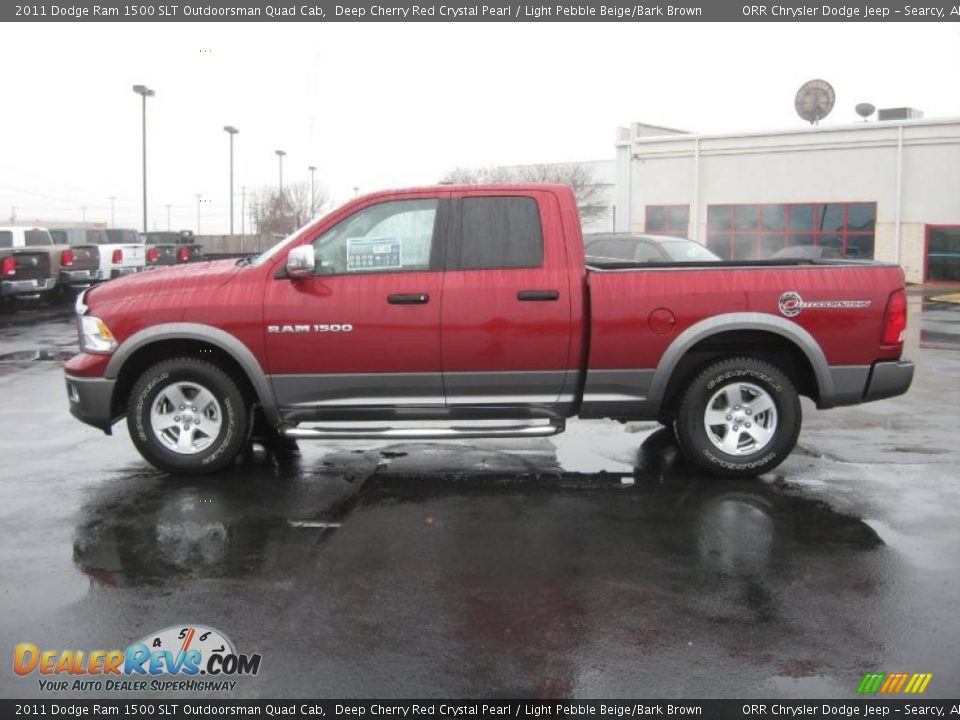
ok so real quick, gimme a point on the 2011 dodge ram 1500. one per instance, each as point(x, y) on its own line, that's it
point(474, 304)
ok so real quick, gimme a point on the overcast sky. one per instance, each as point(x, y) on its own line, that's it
point(393, 104)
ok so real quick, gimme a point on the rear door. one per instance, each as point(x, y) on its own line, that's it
point(506, 317)
point(361, 337)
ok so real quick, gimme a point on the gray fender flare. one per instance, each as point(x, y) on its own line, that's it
point(209, 334)
point(742, 321)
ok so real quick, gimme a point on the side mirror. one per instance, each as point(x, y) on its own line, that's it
point(301, 261)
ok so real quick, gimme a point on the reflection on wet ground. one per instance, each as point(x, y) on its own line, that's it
point(150, 532)
point(369, 572)
point(939, 328)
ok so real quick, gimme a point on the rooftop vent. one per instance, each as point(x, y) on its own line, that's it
point(901, 113)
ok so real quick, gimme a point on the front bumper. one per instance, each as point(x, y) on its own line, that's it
point(91, 401)
point(26, 287)
point(889, 379)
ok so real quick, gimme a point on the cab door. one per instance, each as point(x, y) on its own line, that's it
point(360, 338)
point(506, 328)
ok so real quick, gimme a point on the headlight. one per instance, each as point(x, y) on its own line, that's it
point(95, 336)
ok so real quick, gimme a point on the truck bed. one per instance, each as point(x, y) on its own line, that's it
point(643, 315)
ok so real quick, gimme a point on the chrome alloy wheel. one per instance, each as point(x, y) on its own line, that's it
point(186, 417)
point(740, 419)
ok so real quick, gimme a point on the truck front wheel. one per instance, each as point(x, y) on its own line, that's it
point(739, 418)
point(187, 416)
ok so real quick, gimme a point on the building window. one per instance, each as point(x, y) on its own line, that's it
point(943, 253)
point(755, 232)
point(668, 220)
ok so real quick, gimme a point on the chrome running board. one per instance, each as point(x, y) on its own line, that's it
point(554, 427)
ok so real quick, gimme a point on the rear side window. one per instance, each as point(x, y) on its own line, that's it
point(36, 238)
point(6, 239)
point(500, 232)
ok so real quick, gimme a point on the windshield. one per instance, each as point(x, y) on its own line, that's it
point(687, 251)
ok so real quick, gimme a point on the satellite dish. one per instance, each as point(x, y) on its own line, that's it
point(865, 110)
point(814, 101)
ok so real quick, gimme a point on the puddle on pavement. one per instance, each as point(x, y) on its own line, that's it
point(157, 531)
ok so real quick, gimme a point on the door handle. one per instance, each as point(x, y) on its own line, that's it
point(538, 295)
point(408, 299)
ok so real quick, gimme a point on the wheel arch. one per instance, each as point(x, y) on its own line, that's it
point(767, 334)
point(157, 343)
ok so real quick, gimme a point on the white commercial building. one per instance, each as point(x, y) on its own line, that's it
point(888, 190)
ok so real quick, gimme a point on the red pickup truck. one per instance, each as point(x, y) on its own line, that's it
point(475, 305)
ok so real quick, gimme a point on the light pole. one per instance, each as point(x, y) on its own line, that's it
point(83, 210)
point(280, 154)
point(233, 131)
point(243, 209)
point(168, 217)
point(144, 92)
point(313, 170)
point(113, 221)
point(198, 212)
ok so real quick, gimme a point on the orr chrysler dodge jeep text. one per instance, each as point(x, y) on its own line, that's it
point(466, 304)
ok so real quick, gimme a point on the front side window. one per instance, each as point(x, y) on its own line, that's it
point(393, 236)
point(500, 232)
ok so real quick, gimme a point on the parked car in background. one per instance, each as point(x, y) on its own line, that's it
point(807, 252)
point(116, 258)
point(161, 256)
point(624, 247)
point(171, 248)
point(189, 254)
point(25, 271)
point(72, 268)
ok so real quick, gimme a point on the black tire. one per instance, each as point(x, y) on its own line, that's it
point(227, 416)
point(758, 446)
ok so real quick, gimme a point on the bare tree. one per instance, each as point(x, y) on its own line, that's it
point(581, 178)
point(273, 213)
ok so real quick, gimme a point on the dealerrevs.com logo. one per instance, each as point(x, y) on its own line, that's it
point(187, 658)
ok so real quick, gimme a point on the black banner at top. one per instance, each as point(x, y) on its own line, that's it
point(475, 709)
point(470, 11)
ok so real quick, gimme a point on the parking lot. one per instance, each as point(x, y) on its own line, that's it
point(591, 564)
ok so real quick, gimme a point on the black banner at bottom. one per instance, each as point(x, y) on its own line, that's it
point(414, 709)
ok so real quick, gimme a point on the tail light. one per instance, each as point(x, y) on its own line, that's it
point(152, 255)
point(118, 256)
point(895, 320)
point(183, 254)
point(66, 259)
point(9, 266)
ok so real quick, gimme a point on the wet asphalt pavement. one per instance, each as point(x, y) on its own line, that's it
point(594, 564)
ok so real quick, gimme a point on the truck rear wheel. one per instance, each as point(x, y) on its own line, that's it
point(187, 416)
point(740, 417)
